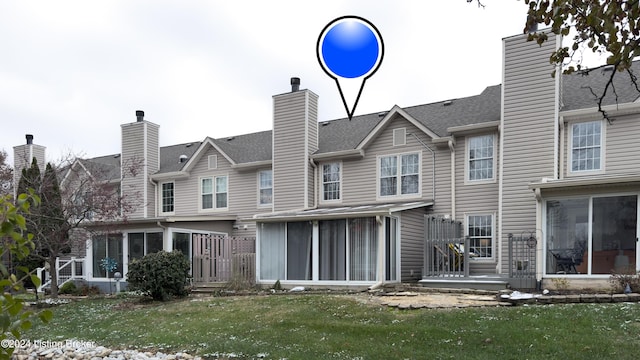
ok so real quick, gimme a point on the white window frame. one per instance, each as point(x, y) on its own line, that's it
point(145, 242)
point(467, 160)
point(398, 175)
point(570, 169)
point(492, 215)
point(260, 188)
point(173, 198)
point(589, 251)
point(322, 182)
point(213, 193)
point(399, 136)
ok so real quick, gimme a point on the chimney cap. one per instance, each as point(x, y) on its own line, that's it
point(29, 138)
point(139, 115)
point(295, 84)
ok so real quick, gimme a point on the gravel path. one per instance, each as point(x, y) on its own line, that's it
point(75, 349)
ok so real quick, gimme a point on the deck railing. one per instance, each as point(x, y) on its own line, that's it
point(446, 257)
point(66, 269)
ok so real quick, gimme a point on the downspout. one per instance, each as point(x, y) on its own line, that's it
point(156, 202)
point(561, 152)
point(380, 260)
point(164, 232)
point(451, 144)
point(433, 168)
point(315, 184)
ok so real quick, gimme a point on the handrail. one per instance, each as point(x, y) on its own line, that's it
point(66, 270)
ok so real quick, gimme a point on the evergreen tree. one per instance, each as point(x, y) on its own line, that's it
point(31, 179)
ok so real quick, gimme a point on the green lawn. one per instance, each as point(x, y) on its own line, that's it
point(339, 327)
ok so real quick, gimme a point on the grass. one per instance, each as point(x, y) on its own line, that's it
point(340, 327)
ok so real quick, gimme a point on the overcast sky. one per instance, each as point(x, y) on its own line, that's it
point(72, 71)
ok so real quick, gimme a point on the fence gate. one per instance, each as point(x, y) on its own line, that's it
point(522, 260)
point(221, 258)
point(444, 248)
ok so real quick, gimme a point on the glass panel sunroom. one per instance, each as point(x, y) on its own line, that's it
point(591, 235)
point(340, 250)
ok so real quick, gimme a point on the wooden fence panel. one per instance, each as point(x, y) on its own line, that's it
point(223, 258)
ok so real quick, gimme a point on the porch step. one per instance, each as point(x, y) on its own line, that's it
point(475, 283)
point(208, 288)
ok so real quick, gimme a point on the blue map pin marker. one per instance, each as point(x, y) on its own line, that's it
point(350, 50)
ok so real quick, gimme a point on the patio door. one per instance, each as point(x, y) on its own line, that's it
point(594, 235)
point(614, 234)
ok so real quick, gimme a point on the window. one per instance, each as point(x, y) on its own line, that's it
point(182, 243)
point(299, 250)
point(167, 197)
point(480, 232)
point(593, 235)
point(480, 157)
point(333, 249)
point(347, 250)
point(106, 247)
point(207, 193)
point(141, 244)
point(402, 181)
point(331, 181)
point(265, 186)
point(586, 146)
point(214, 197)
point(221, 192)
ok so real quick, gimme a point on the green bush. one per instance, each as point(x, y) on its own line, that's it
point(68, 288)
point(161, 275)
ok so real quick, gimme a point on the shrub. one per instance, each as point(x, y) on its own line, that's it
point(161, 275)
point(627, 276)
point(69, 288)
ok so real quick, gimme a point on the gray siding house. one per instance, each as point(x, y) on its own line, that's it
point(343, 202)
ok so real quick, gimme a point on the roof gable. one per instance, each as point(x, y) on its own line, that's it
point(393, 114)
point(202, 149)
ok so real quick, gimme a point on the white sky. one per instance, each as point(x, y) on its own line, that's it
point(72, 71)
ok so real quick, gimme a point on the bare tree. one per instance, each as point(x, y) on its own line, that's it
point(608, 27)
point(6, 175)
point(78, 198)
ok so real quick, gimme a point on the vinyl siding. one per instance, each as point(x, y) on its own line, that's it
point(242, 189)
point(621, 149)
point(132, 153)
point(21, 160)
point(412, 244)
point(153, 165)
point(529, 105)
point(360, 177)
point(140, 147)
point(478, 198)
point(295, 116)
point(187, 194)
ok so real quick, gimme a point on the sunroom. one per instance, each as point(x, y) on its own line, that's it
point(347, 246)
point(590, 226)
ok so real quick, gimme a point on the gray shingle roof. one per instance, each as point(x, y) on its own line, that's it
point(576, 93)
point(103, 167)
point(170, 156)
point(247, 148)
point(344, 134)
point(469, 110)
